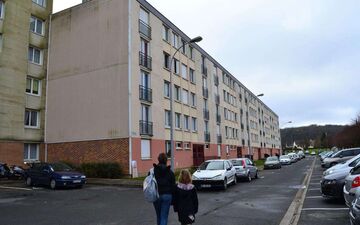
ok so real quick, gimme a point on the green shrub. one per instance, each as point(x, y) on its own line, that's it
point(102, 170)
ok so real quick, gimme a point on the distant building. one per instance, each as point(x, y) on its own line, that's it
point(108, 92)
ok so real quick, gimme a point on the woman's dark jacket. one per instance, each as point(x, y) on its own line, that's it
point(165, 179)
point(186, 204)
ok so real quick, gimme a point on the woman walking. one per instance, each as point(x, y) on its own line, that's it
point(186, 200)
point(165, 179)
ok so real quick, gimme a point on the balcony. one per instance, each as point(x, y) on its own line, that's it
point(219, 139)
point(206, 114)
point(218, 118)
point(146, 128)
point(217, 99)
point(145, 94)
point(207, 136)
point(205, 92)
point(144, 29)
point(216, 80)
point(204, 70)
point(145, 60)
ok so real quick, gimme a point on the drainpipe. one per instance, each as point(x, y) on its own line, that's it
point(129, 85)
point(47, 85)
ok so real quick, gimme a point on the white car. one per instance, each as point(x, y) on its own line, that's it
point(285, 160)
point(293, 157)
point(214, 173)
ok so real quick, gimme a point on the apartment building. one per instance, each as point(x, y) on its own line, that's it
point(109, 92)
point(24, 26)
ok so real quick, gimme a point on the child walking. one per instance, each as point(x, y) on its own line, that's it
point(186, 200)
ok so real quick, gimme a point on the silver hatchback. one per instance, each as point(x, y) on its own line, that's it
point(352, 186)
point(245, 168)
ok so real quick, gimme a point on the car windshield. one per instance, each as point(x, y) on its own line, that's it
point(212, 165)
point(237, 162)
point(274, 158)
point(284, 157)
point(60, 167)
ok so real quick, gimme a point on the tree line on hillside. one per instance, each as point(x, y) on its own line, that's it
point(323, 136)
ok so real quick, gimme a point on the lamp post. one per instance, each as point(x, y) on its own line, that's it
point(194, 40)
point(281, 149)
point(248, 120)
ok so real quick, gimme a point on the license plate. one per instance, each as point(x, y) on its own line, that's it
point(76, 181)
point(205, 185)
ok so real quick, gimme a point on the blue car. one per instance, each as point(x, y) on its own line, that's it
point(54, 175)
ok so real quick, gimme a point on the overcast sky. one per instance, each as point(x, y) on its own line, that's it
point(303, 55)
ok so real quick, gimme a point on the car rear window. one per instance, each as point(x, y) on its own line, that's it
point(237, 162)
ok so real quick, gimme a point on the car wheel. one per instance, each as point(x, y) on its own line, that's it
point(28, 181)
point(256, 175)
point(235, 180)
point(225, 184)
point(53, 184)
point(248, 177)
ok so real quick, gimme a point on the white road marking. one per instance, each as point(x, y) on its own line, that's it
point(314, 197)
point(316, 183)
point(15, 188)
point(313, 189)
point(325, 209)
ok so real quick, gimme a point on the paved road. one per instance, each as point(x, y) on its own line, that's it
point(320, 211)
point(263, 201)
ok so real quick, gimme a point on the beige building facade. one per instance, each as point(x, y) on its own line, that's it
point(109, 100)
point(24, 28)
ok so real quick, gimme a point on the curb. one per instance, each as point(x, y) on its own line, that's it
point(115, 182)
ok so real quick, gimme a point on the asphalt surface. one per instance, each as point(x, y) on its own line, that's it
point(318, 210)
point(262, 202)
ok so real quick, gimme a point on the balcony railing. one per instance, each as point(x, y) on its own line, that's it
point(204, 70)
point(146, 128)
point(145, 60)
point(217, 99)
point(145, 93)
point(144, 29)
point(219, 138)
point(218, 118)
point(206, 114)
point(205, 92)
point(207, 136)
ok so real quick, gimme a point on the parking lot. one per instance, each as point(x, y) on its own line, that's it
point(320, 211)
point(262, 201)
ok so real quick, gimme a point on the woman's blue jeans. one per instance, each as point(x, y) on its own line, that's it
point(162, 207)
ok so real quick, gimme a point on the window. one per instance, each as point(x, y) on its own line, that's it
point(166, 61)
point(32, 86)
point(167, 118)
point(1, 40)
point(186, 122)
point(145, 113)
point(186, 145)
point(206, 126)
point(35, 55)
point(37, 25)
point(177, 93)
point(193, 124)
point(185, 96)
point(178, 145)
point(175, 40)
point(177, 120)
point(2, 9)
point(166, 89)
point(31, 118)
point(31, 152)
point(144, 16)
point(40, 2)
point(145, 149)
point(176, 66)
point(184, 71)
point(144, 47)
point(193, 100)
point(192, 76)
point(168, 148)
point(165, 33)
point(191, 52)
point(183, 49)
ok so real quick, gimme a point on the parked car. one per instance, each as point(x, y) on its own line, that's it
point(354, 212)
point(332, 184)
point(340, 156)
point(245, 168)
point(293, 157)
point(4, 170)
point(325, 155)
point(285, 160)
point(272, 162)
point(301, 154)
point(313, 153)
point(352, 186)
point(351, 163)
point(12, 172)
point(53, 175)
point(307, 152)
point(214, 173)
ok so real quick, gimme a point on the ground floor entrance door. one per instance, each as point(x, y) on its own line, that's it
point(239, 152)
point(198, 154)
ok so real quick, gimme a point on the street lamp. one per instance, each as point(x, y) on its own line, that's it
point(194, 40)
point(248, 121)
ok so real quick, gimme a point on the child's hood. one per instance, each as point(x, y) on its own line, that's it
point(185, 187)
